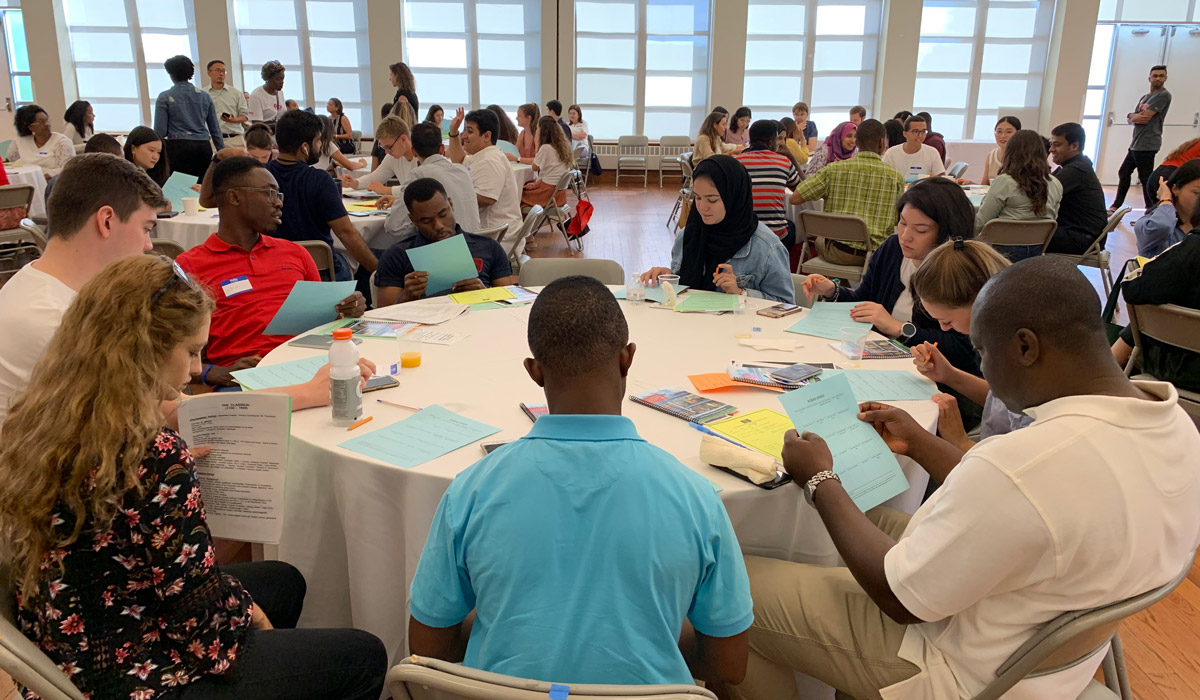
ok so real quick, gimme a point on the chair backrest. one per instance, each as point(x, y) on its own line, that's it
point(633, 145)
point(167, 247)
point(1073, 637)
point(839, 227)
point(564, 182)
point(671, 146)
point(1110, 226)
point(533, 219)
point(1018, 232)
point(685, 164)
point(508, 147)
point(496, 232)
point(419, 678)
point(12, 196)
point(1167, 323)
point(374, 290)
point(540, 272)
point(321, 254)
point(957, 169)
point(802, 299)
point(23, 660)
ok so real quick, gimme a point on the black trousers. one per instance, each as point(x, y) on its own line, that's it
point(1143, 162)
point(291, 664)
point(190, 157)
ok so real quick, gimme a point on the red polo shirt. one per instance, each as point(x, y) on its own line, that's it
point(249, 287)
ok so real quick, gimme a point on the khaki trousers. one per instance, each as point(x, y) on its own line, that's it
point(837, 256)
point(817, 620)
point(237, 141)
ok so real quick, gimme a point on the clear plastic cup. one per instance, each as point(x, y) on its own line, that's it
point(670, 287)
point(634, 291)
point(853, 342)
point(409, 352)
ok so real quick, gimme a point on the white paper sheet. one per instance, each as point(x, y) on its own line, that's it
point(430, 314)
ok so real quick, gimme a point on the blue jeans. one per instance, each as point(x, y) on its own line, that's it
point(1017, 253)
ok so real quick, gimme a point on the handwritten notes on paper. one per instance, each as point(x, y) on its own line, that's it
point(426, 435)
point(868, 470)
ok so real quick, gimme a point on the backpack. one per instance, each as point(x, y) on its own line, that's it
point(578, 227)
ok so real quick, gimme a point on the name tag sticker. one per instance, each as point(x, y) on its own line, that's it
point(235, 286)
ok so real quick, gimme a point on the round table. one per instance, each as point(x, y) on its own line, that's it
point(355, 526)
point(30, 175)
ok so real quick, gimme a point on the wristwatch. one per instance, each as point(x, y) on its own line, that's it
point(811, 485)
point(907, 330)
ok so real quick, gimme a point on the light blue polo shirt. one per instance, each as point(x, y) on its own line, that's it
point(582, 548)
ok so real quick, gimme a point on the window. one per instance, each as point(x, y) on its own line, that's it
point(472, 53)
point(641, 66)
point(322, 44)
point(977, 58)
point(820, 53)
point(1093, 103)
point(13, 24)
point(118, 48)
point(1141, 11)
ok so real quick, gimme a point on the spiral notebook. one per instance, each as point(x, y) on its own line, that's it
point(684, 404)
point(757, 375)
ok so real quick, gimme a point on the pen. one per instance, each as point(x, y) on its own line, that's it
point(398, 405)
point(364, 421)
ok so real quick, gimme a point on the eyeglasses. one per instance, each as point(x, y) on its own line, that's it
point(919, 132)
point(178, 276)
point(272, 194)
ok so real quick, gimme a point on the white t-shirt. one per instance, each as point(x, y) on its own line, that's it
point(902, 310)
point(265, 107)
point(550, 168)
point(493, 178)
point(32, 305)
point(390, 167)
point(912, 166)
point(1095, 502)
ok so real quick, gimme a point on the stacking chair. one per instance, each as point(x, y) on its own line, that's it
point(838, 227)
point(374, 291)
point(356, 137)
point(420, 678)
point(957, 170)
point(23, 660)
point(558, 216)
point(685, 192)
point(1096, 255)
point(539, 272)
point(1018, 232)
point(584, 164)
point(496, 232)
point(14, 210)
point(321, 254)
point(633, 154)
point(670, 148)
point(1171, 324)
point(533, 221)
point(169, 248)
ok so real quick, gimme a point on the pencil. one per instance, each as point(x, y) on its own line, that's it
point(398, 405)
point(364, 421)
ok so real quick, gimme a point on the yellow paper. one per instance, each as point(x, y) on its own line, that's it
point(482, 296)
point(1142, 260)
point(362, 207)
point(760, 430)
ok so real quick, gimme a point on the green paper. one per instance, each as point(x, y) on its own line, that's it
point(423, 436)
point(282, 374)
point(701, 301)
point(447, 261)
point(883, 384)
point(826, 319)
point(308, 305)
point(178, 186)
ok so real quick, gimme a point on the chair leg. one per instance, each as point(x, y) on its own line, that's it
point(1117, 652)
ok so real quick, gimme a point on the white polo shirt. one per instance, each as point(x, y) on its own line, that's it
point(1096, 501)
point(911, 166)
point(493, 178)
point(32, 305)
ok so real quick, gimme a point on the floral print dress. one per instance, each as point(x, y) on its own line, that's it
point(140, 608)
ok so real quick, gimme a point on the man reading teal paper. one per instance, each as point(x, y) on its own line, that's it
point(582, 553)
point(432, 212)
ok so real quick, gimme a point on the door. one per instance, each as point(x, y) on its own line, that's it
point(1183, 119)
point(1136, 49)
point(8, 132)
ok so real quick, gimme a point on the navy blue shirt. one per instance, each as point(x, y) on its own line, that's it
point(311, 199)
point(490, 259)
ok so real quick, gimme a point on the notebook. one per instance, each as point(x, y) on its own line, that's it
point(756, 375)
point(880, 350)
point(684, 404)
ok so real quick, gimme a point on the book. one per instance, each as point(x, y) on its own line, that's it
point(534, 410)
point(684, 404)
point(880, 350)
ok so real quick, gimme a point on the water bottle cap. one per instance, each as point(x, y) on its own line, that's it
point(343, 334)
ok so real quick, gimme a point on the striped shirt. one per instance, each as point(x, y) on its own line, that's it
point(771, 174)
point(863, 186)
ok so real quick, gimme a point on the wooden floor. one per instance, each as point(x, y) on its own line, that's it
point(1162, 644)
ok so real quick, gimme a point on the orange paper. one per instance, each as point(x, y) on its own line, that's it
point(717, 381)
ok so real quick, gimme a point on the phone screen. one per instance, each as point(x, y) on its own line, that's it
point(785, 307)
point(795, 373)
point(384, 382)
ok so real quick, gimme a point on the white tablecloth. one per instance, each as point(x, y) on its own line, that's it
point(191, 231)
point(30, 175)
point(355, 526)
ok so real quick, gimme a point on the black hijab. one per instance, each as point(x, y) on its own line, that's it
point(704, 246)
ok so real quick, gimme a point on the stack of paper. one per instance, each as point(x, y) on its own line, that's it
point(418, 312)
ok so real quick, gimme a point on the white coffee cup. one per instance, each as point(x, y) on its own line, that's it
point(191, 205)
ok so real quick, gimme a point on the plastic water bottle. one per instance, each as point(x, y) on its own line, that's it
point(345, 379)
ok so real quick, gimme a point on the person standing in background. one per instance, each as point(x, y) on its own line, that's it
point(267, 103)
point(406, 88)
point(186, 118)
point(1147, 120)
point(230, 104)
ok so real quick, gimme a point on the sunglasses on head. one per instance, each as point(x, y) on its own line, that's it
point(178, 276)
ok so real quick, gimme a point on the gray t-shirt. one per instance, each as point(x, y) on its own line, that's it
point(1148, 136)
point(998, 420)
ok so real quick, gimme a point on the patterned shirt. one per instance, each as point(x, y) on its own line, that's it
point(771, 174)
point(139, 607)
point(863, 186)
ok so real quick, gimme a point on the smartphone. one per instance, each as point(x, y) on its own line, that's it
point(779, 310)
point(317, 342)
point(781, 478)
point(535, 410)
point(226, 115)
point(795, 373)
point(359, 213)
point(167, 214)
point(490, 447)
point(377, 383)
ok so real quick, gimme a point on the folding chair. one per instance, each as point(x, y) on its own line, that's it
point(1018, 232)
point(533, 221)
point(167, 247)
point(1096, 255)
point(670, 148)
point(633, 154)
point(23, 660)
point(356, 137)
point(540, 272)
point(845, 228)
point(321, 254)
point(585, 164)
point(556, 215)
point(419, 678)
point(14, 210)
point(685, 192)
point(1173, 325)
point(956, 171)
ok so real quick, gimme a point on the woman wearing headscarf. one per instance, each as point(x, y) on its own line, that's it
point(840, 144)
point(723, 246)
